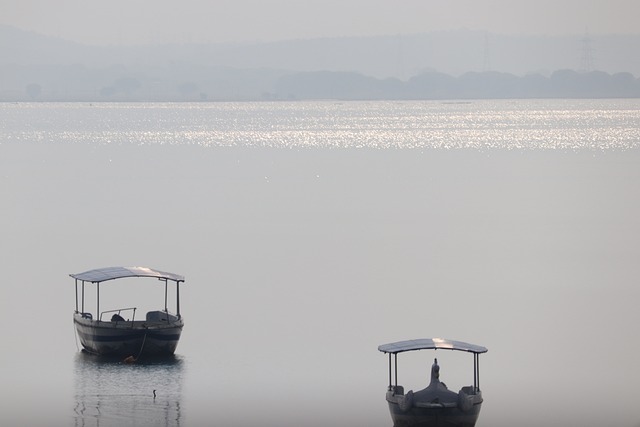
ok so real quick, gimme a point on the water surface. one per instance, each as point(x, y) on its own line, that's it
point(310, 233)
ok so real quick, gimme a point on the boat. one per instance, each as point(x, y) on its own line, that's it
point(435, 405)
point(108, 333)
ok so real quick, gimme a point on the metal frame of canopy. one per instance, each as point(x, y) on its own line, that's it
point(99, 275)
point(432, 344)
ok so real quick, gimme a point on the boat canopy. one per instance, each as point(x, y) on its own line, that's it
point(103, 274)
point(430, 344)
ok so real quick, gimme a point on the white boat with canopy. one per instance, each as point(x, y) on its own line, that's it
point(110, 334)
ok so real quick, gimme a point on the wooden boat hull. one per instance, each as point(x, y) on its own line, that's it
point(433, 415)
point(124, 339)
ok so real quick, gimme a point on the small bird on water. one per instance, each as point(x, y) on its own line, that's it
point(154, 394)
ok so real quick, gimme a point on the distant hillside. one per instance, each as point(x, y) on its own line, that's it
point(485, 85)
point(456, 64)
point(400, 56)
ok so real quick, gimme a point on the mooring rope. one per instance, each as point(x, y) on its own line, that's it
point(142, 346)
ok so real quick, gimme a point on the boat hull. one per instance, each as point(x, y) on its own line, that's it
point(124, 339)
point(433, 415)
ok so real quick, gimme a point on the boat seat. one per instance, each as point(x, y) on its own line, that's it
point(160, 316)
point(466, 398)
point(86, 316)
point(468, 390)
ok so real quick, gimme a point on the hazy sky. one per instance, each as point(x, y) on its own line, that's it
point(144, 21)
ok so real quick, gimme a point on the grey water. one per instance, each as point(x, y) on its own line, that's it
point(309, 233)
point(147, 393)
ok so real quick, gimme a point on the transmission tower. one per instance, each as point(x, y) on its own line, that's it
point(586, 60)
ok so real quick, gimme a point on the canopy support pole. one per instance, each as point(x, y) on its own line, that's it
point(76, 295)
point(475, 371)
point(395, 356)
point(178, 299)
point(165, 296)
point(390, 372)
point(98, 301)
point(478, 363)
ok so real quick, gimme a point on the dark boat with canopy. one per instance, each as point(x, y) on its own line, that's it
point(435, 405)
point(109, 334)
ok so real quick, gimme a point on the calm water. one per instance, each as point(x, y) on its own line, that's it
point(108, 393)
point(310, 233)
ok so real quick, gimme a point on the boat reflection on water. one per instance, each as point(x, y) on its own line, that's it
point(109, 392)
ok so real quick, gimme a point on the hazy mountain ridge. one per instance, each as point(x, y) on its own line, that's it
point(457, 64)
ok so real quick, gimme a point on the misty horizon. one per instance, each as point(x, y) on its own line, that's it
point(39, 68)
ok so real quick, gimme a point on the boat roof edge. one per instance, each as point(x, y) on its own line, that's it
point(110, 273)
point(430, 344)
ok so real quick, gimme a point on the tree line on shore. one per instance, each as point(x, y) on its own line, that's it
point(118, 84)
point(472, 85)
